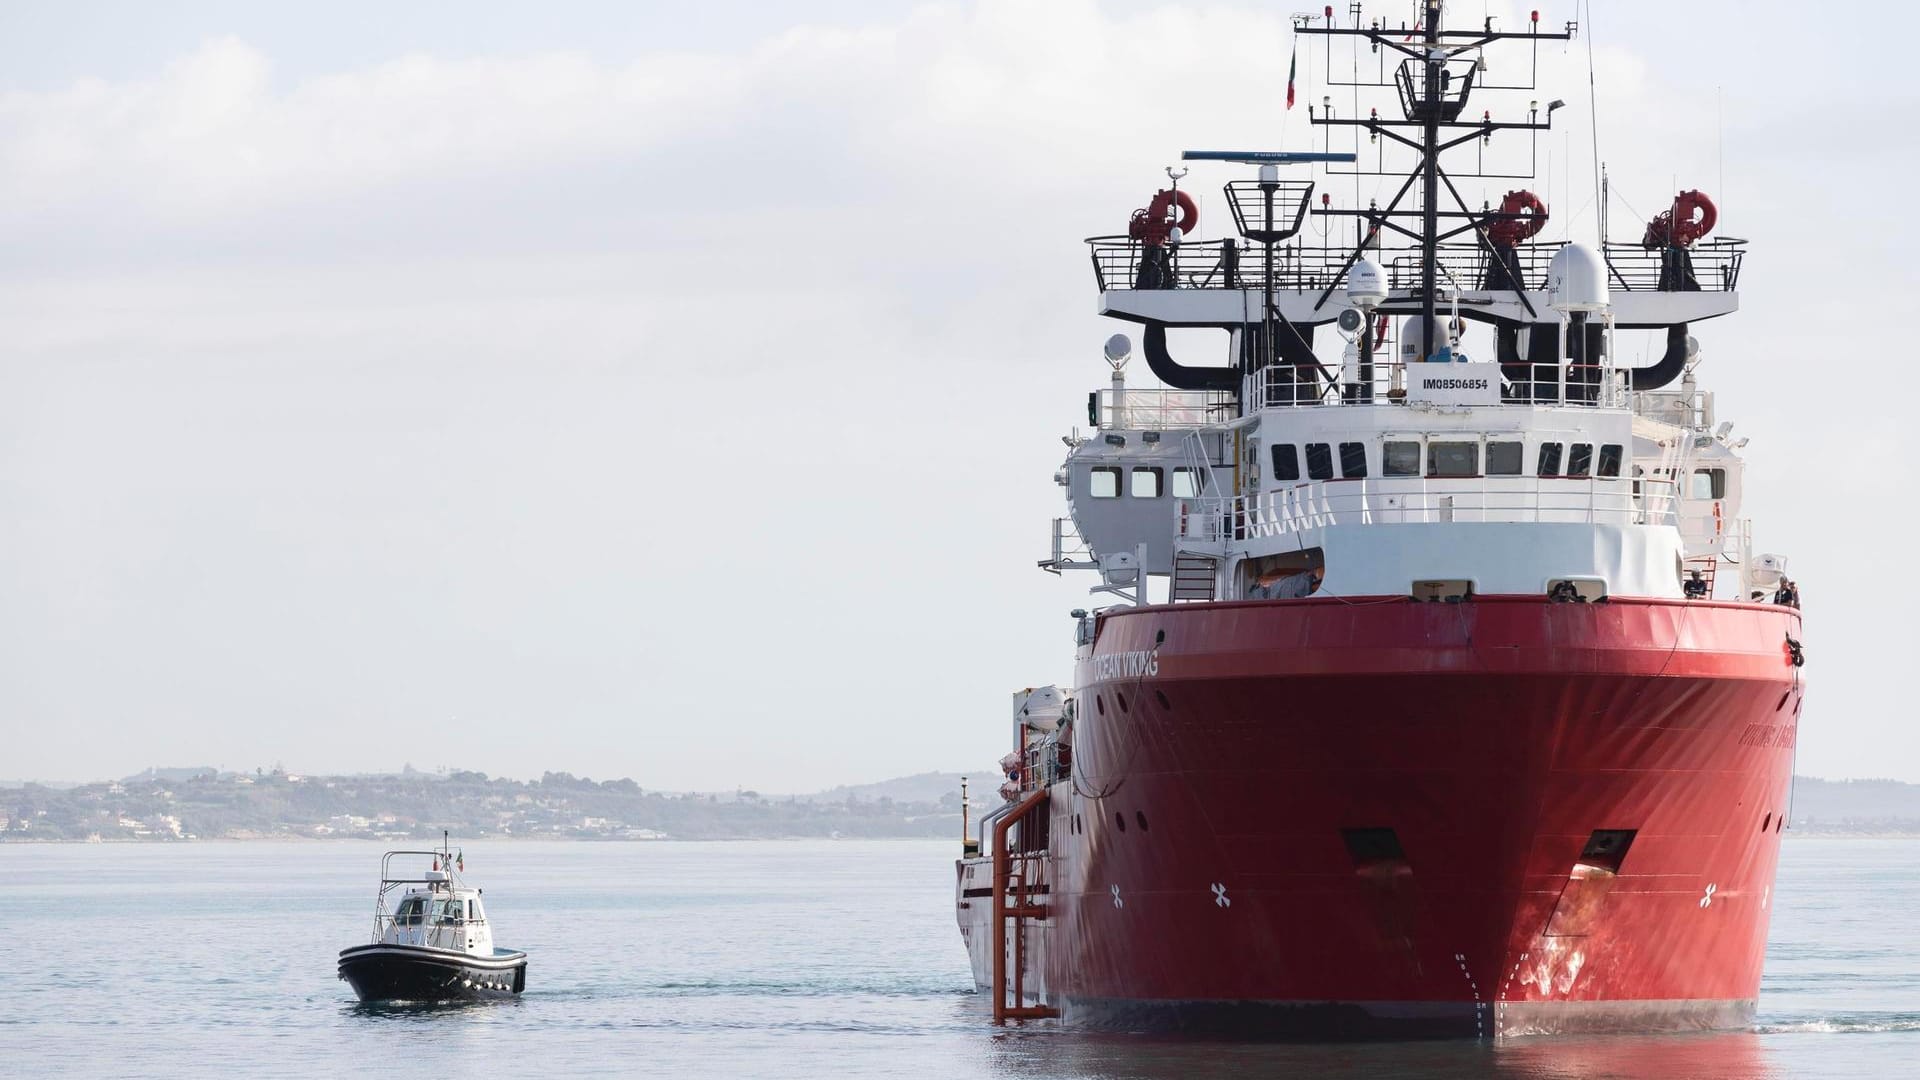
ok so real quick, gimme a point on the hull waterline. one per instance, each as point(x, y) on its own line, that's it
point(385, 973)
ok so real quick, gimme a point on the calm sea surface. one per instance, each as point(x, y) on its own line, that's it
point(767, 959)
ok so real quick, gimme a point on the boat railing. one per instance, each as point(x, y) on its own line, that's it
point(442, 875)
point(1521, 499)
point(1160, 410)
point(1704, 266)
point(1682, 406)
point(1123, 263)
point(1279, 386)
point(1120, 262)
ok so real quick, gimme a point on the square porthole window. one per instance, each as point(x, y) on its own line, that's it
point(1505, 458)
point(1353, 460)
point(1186, 484)
point(1103, 482)
point(1319, 461)
point(1549, 459)
point(1609, 461)
point(1286, 461)
point(1147, 483)
point(1400, 457)
point(1451, 459)
point(1580, 459)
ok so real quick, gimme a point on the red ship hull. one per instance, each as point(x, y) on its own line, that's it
point(1330, 818)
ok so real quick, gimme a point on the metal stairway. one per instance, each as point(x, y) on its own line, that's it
point(1193, 577)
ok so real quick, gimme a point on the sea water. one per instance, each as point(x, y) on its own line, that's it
point(777, 959)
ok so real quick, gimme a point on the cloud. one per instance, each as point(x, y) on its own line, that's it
point(613, 404)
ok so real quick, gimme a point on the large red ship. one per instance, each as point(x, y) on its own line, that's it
point(1440, 694)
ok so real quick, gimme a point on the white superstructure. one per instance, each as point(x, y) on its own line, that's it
point(1380, 466)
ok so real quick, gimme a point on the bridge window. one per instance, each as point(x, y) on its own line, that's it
point(1610, 460)
point(1400, 458)
point(1319, 461)
point(1549, 459)
point(1504, 458)
point(1708, 484)
point(1147, 483)
point(1353, 460)
point(1186, 483)
point(1445, 459)
point(1286, 461)
point(1579, 459)
point(1104, 482)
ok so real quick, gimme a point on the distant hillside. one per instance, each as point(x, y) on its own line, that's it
point(193, 804)
point(920, 787)
point(1855, 806)
point(173, 774)
point(199, 803)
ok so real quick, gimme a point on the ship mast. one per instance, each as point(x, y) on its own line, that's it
point(1430, 179)
point(1434, 81)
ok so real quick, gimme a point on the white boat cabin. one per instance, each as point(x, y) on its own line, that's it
point(436, 910)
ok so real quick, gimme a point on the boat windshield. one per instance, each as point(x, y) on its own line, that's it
point(447, 911)
point(408, 913)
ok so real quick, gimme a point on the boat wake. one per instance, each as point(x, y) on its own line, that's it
point(1857, 1024)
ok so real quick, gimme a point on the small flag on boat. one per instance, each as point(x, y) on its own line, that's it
point(436, 862)
point(460, 862)
point(1293, 62)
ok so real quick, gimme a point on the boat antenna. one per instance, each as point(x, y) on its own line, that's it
point(1593, 123)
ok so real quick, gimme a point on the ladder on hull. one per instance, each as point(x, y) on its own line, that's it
point(1013, 905)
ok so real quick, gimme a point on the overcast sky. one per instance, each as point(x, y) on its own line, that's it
point(672, 391)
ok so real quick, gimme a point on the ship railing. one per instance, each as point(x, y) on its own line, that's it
point(1682, 406)
point(1120, 262)
point(1279, 386)
point(1471, 266)
point(1530, 500)
point(1705, 266)
point(1123, 263)
point(1160, 410)
point(1069, 550)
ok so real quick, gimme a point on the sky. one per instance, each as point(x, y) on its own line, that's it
point(673, 391)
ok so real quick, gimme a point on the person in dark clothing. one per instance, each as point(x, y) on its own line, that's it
point(1695, 587)
point(1564, 592)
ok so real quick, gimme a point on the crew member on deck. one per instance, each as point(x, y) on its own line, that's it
point(1695, 587)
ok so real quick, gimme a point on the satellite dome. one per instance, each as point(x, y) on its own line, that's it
point(1577, 280)
point(1366, 283)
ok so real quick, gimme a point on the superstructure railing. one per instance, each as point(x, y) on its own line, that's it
point(1160, 410)
point(1120, 262)
point(1279, 386)
point(1318, 504)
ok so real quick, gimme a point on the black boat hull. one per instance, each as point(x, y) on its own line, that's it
point(415, 973)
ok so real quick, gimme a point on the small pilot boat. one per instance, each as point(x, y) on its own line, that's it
point(436, 943)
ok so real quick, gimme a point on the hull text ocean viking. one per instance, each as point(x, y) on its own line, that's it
point(1126, 665)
